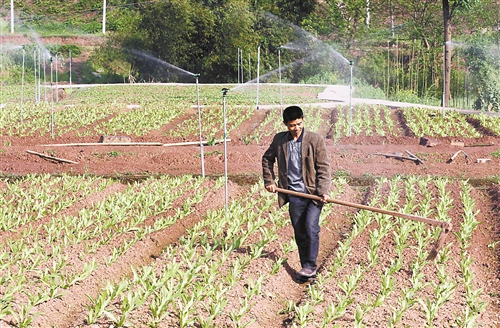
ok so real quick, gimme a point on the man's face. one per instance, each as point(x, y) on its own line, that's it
point(295, 127)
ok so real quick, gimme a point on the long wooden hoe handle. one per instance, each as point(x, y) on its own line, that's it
point(446, 226)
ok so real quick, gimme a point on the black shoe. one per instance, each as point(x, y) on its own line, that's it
point(307, 273)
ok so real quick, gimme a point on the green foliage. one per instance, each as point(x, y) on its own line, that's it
point(204, 36)
point(483, 60)
point(322, 78)
point(363, 90)
point(496, 153)
point(66, 48)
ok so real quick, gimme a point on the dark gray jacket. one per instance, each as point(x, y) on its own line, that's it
point(315, 164)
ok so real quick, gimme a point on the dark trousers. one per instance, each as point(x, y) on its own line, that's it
point(304, 215)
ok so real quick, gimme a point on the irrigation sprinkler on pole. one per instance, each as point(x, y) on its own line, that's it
point(39, 75)
point(70, 77)
point(250, 72)
point(12, 16)
point(22, 87)
point(279, 71)
point(51, 103)
point(44, 81)
point(258, 71)
point(196, 76)
point(444, 76)
point(238, 65)
point(224, 92)
point(350, 101)
point(104, 17)
point(57, 88)
point(34, 66)
point(241, 67)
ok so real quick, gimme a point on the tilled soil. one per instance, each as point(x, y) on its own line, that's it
point(359, 159)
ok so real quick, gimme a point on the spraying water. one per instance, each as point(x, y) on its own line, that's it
point(46, 53)
point(266, 77)
point(306, 38)
point(159, 61)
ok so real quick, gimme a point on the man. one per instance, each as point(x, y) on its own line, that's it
point(303, 166)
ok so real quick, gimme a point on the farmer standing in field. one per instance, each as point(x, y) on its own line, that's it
point(303, 166)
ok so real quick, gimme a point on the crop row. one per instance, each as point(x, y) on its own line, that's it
point(412, 291)
point(225, 264)
point(216, 260)
point(139, 110)
point(59, 249)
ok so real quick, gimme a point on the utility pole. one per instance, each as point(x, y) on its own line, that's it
point(12, 16)
point(104, 17)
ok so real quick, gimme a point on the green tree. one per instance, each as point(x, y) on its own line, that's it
point(450, 9)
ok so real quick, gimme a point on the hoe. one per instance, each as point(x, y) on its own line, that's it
point(445, 226)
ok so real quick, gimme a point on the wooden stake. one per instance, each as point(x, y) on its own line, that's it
point(105, 144)
point(415, 157)
point(396, 156)
point(454, 156)
point(51, 157)
point(192, 143)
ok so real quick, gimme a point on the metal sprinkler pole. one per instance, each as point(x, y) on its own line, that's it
point(444, 76)
point(258, 73)
point(22, 87)
point(238, 65)
point(196, 76)
point(350, 102)
point(70, 77)
point(279, 71)
point(224, 92)
point(39, 75)
point(44, 81)
point(51, 103)
point(34, 66)
point(57, 88)
point(250, 72)
point(241, 67)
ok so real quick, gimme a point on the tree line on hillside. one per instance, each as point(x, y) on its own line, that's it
point(396, 48)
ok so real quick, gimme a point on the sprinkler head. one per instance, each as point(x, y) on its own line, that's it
point(196, 75)
point(224, 91)
point(350, 62)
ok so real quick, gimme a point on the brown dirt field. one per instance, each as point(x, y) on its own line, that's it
point(358, 158)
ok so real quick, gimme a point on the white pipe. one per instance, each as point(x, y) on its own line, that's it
point(279, 71)
point(22, 89)
point(34, 66)
point(104, 17)
point(12, 16)
point(350, 102)
point(258, 71)
point(57, 87)
point(224, 91)
point(70, 75)
point(444, 76)
point(238, 65)
point(39, 75)
point(51, 103)
point(199, 125)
